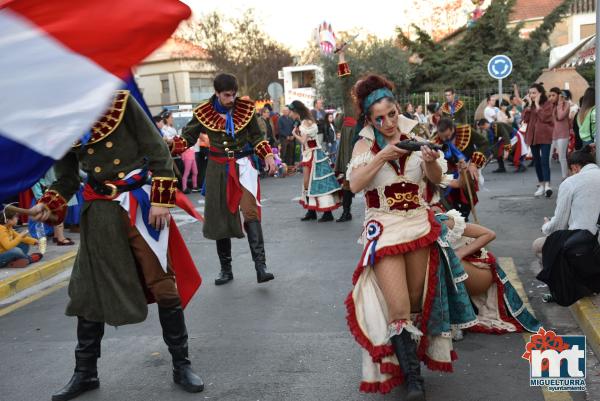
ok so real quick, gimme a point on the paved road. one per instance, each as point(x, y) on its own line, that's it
point(286, 340)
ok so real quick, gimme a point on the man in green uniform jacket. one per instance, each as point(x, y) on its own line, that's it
point(117, 269)
point(231, 177)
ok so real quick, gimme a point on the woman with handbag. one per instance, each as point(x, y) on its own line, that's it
point(538, 136)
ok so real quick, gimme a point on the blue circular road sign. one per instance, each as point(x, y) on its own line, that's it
point(500, 66)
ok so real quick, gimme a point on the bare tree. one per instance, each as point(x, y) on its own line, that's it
point(240, 47)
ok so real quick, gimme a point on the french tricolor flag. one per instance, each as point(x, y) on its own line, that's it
point(60, 62)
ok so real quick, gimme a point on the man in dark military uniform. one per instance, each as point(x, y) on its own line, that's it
point(346, 124)
point(123, 260)
point(231, 177)
point(465, 149)
point(499, 140)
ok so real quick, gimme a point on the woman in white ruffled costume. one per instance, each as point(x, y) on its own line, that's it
point(321, 190)
point(499, 307)
point(406, 296)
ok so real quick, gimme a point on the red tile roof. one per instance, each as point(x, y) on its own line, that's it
point(529, 9)
point(177, 48)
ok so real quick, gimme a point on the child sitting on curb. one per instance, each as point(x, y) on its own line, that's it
point(14, 246)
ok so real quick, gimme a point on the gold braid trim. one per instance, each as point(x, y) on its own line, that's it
point(211, 119)
point(163, 192)
point(108, 123)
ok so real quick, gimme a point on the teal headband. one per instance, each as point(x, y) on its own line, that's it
point(375, 96)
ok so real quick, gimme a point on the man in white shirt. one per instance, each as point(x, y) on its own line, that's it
point(577, 206)
point(491, 112)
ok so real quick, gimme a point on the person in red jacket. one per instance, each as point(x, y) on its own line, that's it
point(562, 127)
point(540, 126)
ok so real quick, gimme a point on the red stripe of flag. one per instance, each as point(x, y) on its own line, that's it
point(116, 34)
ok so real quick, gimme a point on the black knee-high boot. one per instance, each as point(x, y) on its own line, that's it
point(310, 215)
point(175, 335)
point(87, 352)
point(406, 352)
point(257, 249)
point(347, 205)
point(224, 252)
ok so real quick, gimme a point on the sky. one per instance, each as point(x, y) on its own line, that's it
point(292, 23)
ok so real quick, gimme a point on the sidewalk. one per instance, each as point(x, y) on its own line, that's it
point(587, 314)
point(55, 260)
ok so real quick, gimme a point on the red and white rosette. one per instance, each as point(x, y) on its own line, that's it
point(373, 230)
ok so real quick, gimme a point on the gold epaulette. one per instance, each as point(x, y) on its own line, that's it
point(111, 119)
point(446, 108)
point(211, 119)
point(462, 136)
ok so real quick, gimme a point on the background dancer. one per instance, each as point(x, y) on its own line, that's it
point(465, 147)
point(499, 307)
point(320, 190)
point(123, 239)
point(231, 177)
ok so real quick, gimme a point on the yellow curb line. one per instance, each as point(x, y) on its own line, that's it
point(587, 314)
point(19, 282)
point(32, 298)
point(508, 265)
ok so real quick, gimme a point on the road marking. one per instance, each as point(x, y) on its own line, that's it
point(34, 297)
point(508, 265)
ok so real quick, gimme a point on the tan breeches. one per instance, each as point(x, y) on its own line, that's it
point(248, 206)
point(161, 284)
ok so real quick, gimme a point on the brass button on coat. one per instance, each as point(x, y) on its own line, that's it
point(121, 175)
point(109, 144)
point(97, 169)
point(90, 151)
point(116, 162)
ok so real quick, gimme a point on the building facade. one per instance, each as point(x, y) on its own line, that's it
point(178, 73)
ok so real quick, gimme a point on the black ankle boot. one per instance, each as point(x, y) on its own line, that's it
point(176, 338)
point(406, 351)
point(224, 252)
point(347, 205)
point(310, 215)
point(87, 352)
point(327, 216)
point(257, 249)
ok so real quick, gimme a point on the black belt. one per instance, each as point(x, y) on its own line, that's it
point(232, 154)
point(109, 189)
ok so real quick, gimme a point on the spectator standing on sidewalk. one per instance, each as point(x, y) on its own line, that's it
point(318, 114)
point(586, 118)
point(168, 130)
point(286, 139)
point(329, 136)
point(266, 126)
point(189, 166)
point(14, 246)
point(490, 111)
point(540, 127)
point(562, 128)
point(409, 111)
point(420, 115)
